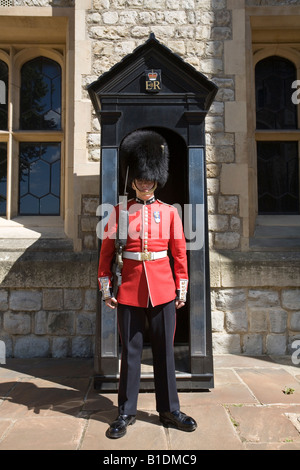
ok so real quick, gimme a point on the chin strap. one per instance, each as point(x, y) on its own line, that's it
point(144, 193)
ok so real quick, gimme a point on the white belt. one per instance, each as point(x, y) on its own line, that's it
point(145, 256)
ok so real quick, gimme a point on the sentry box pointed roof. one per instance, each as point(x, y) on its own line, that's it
point(177, 77)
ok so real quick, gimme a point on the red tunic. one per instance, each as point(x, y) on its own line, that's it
point(153, 227)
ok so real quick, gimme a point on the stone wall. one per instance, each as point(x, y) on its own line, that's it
point(196, 30)
point(255, 302)
point(48, 303)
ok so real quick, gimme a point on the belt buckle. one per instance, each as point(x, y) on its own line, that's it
point(146, 256)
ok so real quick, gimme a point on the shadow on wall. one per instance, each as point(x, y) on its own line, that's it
point(48, 298)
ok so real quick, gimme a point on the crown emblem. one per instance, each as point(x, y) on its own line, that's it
point(152, 75)
point(153, 82)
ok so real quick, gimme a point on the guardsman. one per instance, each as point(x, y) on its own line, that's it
point(149, 288)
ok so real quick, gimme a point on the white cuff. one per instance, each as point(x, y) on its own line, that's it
point(183, 289)
point(104, 284)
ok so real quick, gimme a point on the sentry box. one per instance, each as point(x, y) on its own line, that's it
point(154, 88)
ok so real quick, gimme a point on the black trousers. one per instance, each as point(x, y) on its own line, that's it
point(162, 321)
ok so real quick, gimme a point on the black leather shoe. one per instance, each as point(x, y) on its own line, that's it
point(179, 420)
point(119, 426)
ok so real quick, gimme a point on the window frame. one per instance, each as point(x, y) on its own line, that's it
point(272, 135)
point(15, 58)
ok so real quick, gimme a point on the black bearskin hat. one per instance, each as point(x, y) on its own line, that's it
point(145, 154)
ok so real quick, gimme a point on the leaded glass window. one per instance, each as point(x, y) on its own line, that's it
point(39, 178)
point(278, 181)
point(40, 162)
point(40, 99)
point(277, 159)
point(273, 81)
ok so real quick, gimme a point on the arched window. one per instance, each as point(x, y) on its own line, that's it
point(277, 157)
point(40, 99)
point(40, 161)
point(274, 107)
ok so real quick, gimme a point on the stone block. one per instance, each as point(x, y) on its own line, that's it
point(61, 323)
point(93, 140)
point(278, 320)
point(31, 346)
point(222, 18)
point(253, 345)
point(72, 299)
point(228, 204)
point(218, 4)
point(215, 273)
point(231, 299)
point(235, 224)
point(214, 124)
point(219, 154)
point(291, 299)
point(40, 323)
point(86, 323)
point(140, 31)
point(214, 49)
point(52, 299)
point(147, 17)
point(28, 300)
point(90, 300)
point(218, 223)
point(82, 346)
point(295, 321)
point(221, 33)
point(217, 321)
point(236, 321)
point(89, 241)
point(227, 241)
point(212, 170)
point(154, 5)
point(3, 299)
point(60, 347)
point(211, 204)
point(110, 17)
point(258, 318)
point(17, 323)
point(263, 298)
point(212, 186)
point(226, 344)
point(276, 344)
point(88, 223)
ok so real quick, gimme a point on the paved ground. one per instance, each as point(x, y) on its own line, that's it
point(51, 404)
